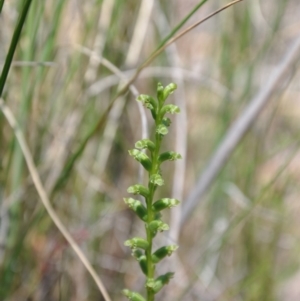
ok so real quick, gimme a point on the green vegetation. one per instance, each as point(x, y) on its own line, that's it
point(151, 214)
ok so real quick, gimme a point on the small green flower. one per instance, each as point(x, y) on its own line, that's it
point(162, 130)
point(137, 242)
point(137, 254)
point(157, 226)
point(162, 252)
point(133, 296)
point(157, 284)
point(171, 156)
point(138, 189)
point(148, 101)
point(137, 207)
point(172, 109)
point(169, 89)
point(164, 203)
point(166, 121)
point(156, 179)
point(160, 93)
point(143, 264)
point(141, 157)
point(145, 143)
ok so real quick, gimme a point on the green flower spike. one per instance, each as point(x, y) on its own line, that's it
point(137, 207)
point(164, 203)
point(162, 252)
point(150, 213)
point(138, 189)
point(133, 296)
point(137, 242)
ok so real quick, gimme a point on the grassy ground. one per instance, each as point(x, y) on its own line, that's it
point(241, 242)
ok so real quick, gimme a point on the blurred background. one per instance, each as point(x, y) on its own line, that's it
point(241, 240)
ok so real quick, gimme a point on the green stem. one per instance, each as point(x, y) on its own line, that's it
point(14, 42)
point(150, 266)
point(152, 188)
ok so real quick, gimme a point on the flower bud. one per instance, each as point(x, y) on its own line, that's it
point(157, 225)
point(162, 252)
point(148, 101)
point(156, 179)
point(169, 89)
point(145, 143)
point(138, 189)
point(143, 264)
point(172, 109)
point(137, 207)
point(133, 296)
point(142, 158)
point(160, 92)
point(164, 203)
point(137, 242)
point(136, 253)
point(162, 129)
point(171, 156)
point(157, 216)
point(166, 121)
point(157, 284)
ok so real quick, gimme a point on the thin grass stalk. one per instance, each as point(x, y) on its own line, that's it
point(179, 25)
point(1, 5)
point(13, 45)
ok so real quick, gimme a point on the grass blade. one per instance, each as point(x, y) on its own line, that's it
point(178, 26)
point(1, 5)
point(14, 42)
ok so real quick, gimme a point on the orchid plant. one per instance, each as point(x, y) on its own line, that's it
point(150, 210)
